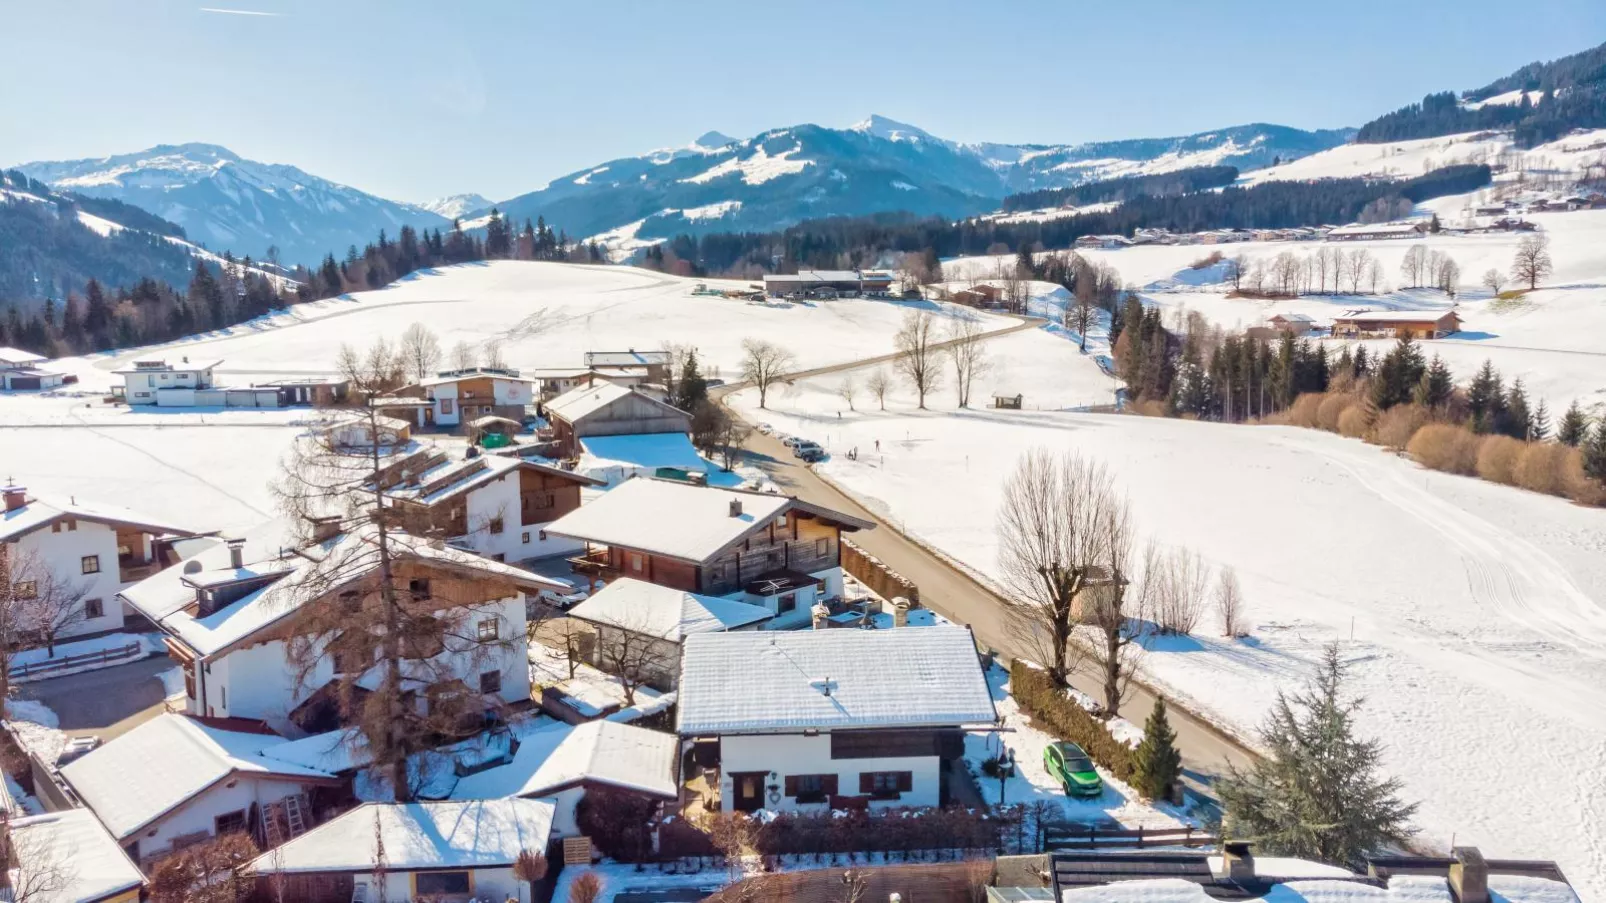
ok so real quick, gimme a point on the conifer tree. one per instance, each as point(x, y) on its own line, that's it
point(1436, 386)
point(1485, 399)
point(1319, 794)
point(1518, 422)
point(1574, 427)
point(691, 390)
point(1157, 761)
point(1595, 452)
point(1540, 429)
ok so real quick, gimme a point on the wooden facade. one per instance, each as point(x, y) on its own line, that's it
point(796, 541)
point(629, 415)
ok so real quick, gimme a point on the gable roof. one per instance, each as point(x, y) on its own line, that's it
point(760, 682)
point(165, 762)
point(679, 520)
point(453, 478)
point(631, 358)
point(1396, 316)
point(93, 866)
point(180, 367)
point(18, 356)
point(416, 836)
point(38, 513)
point(660, 611)
point(600, 752)
point(581, 402)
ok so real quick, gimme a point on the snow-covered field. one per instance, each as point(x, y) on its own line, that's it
point(1474, 614)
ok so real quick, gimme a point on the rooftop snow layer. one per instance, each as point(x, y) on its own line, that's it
point(38, 513)
point(92, 865)
point(447, 834)
point(755, 682)
point(678, 520)
point(602, 752)
point(661, 611)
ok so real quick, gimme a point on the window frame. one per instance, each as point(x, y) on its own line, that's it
point(89, 564)
point(420, 890)
point(490, 683)
point(489, 629)
point(94, 608)
point(218, 822)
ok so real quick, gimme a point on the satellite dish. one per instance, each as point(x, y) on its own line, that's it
point(192, 566)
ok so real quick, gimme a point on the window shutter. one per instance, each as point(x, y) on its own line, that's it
point(791, 785)
point(830, 785)
point(906, 781)
point(866, 782)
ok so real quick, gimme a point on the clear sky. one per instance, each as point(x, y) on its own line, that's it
point(414, 100)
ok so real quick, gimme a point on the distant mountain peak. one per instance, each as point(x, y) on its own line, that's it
point(713, 140)
point(890, 129)
point(455, 205)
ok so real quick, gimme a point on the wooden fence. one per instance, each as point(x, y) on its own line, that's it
point(1077, 836)
point(49, 667)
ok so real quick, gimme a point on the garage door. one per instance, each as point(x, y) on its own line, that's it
point(25, 382)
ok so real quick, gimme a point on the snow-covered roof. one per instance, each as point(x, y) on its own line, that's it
point(10, 355)
point(755, 682)
point(679, 520)
point(476, 373)
point(37, 513)
point(1399, 889)
point(181, 367)
point(161, 764)
point(600, 752)
point(453, 478)
point(91, 864)
point(828, 276)
point(1377, 229)
point(631, 358)
point(426, 835)
point(644, 450)
point(301, 575)
point(583, 401)
point(1396, 316)
point(660, 611)
point(1295, 318)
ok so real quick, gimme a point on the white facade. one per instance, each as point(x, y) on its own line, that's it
point(498, 500)
point(803, 599)
point(780, 755)
point(449, 397)
point(71, 547)
point(497, 884)
point(198, 815)
point(258, 680)
point(153, 382)
point(25, 378)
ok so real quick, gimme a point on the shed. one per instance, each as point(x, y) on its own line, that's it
point(1010, 402)
point(481, 429)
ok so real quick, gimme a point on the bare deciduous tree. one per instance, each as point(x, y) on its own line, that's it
point(848, 390)
point(1053, 535)
point(1180, 589)
point(494, 358)
point(464, 356)
point(1079, 315)
point(35, 867)
point(918, 354)
point(1532, 262)
point(634, 654)
point(763, 364)
point(421, 350)
point(212, 872)
point(1357, 263)
point(1494, 280)
point(967, 351)
point(1229, 603)
point(1117, 604)
point(585, 888)
point(879, 383)
point(1414, 266)
point(38, 604)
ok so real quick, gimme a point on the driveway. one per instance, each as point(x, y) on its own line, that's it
point(106, 703)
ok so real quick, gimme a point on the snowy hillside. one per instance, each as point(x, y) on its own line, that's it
point(785, 175)
point(457, 205)
point(228, 203)
point(1564, 159)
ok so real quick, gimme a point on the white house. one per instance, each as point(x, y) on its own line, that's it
point(830, 717)
point(68, 857)
point(450, 850)
point(458, 396)
point(176, 781)
point(227, 615)
point(20, 370)
point(561, 762)
point(184, 384)
point(92, 552)
point(647, 623)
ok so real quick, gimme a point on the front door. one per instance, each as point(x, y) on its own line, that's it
point(748, 790)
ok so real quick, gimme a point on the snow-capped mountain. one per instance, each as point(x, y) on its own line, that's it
point(782, 176)
point(455, 205)
point(229, 203)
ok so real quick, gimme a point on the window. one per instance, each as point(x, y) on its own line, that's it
point(637, 562)
point(780, 522)
point(496, 524)
point(822, 547)
point(427, 883)
point(94, 608)
point(25, 589)
point(525, 537)
point(885, 785)
point(786, 603)
point(350, 601)
point(491, 682)
point(446, 406)
point(419, 588)
point(811, 788)
point(487, 629)
point(349, 661)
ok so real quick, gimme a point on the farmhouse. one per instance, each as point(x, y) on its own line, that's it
point(607, 409)
point(653, 364)
point(185, 384)
point(228, 615)
point(495, 505)
point(560, 763)
point(1298, 324)
point(69, 556)
point(458, 396)
point(1373, 324)
point(1373, 231)
point(357, 433)
point(71, 856)
point(771, 550)
point(176, 781)
point(643, 624)
point(554, 381)
point(837, 718)
point(827, 283)
point(449, 850)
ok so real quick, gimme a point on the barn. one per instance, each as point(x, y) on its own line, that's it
point(607, 409)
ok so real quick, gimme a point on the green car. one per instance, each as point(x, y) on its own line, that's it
point(1068, 764)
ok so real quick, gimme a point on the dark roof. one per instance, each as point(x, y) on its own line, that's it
point(1385, 867)
point(779, 580)
point(1073, 870)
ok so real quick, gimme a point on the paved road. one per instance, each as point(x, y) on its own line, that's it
point(107, 702)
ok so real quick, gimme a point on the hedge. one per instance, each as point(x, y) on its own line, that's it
point(1062, 716)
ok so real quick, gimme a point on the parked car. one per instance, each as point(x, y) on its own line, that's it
point(563, 601)
point(791, 441)
point(1070, 766)
point(809, 451)
point(766, 429)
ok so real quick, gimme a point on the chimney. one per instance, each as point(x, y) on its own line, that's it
point(16, 496)
point(1469, 876)
point(236, 553)
point(900, 612)
point(325, 528)
point(1237, 861)
point(821, 616)
point(736, 507)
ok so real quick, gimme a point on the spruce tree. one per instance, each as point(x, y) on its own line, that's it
point(1595, 452)
point(1319, 794)
point(691, 390)
point(1574, 426)
point(1518, 422)
point(1157, 762)
point(1436, 385)
point(1540, 430)
point(1485, 398)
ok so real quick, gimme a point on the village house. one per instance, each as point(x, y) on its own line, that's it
point(447, 850)
point(608, 409)
point(653, 365)
point(644, 625)
point(1106, 242)
point(317, 391)
point(356, 432)
point(182, 385)
point(92, 553)
point(497, 506)
point(1377, 231)
point(1298, 324)
point(838, 718)
point(20, 370)
point(228, 613)
point(827, 283)
point(458, 396)
point(68, 857)
point(767, 549)
point(561, 762)
point(554, 381)
point(176, 781)
point(1386, 324)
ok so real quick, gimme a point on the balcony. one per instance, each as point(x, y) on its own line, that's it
point(129, 572)
point(594, 562)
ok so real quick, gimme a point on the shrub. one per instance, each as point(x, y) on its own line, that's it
point(585, 888)
point(1578, 485)
point(1306, 409)
point(1395, 426)
point(1333, 404)
point(1446, 447)
point(616, 821)
point(1063, 717)
point(1497, 459)
point(1542, 468)
point(1355, 421)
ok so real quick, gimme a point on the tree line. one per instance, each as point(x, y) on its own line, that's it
point(1124, 188)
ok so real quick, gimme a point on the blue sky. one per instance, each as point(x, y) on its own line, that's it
point(414, 100)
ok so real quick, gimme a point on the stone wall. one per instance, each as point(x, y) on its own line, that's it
point(872, 572)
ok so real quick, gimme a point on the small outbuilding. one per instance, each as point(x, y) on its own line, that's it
point(607, 409)
point(1392, 324)
point(1007, 402)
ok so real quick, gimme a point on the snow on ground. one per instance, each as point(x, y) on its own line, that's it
point(36, 728)
point(151, 644)
point(590, 692)
point(1409, 159)
point(1474, 615)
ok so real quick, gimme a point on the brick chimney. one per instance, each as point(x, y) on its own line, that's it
point(821, 616)
point(1469, 876)
point(736, 507)
point(236, 553)
point(16, 496)
point(1237, 861)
